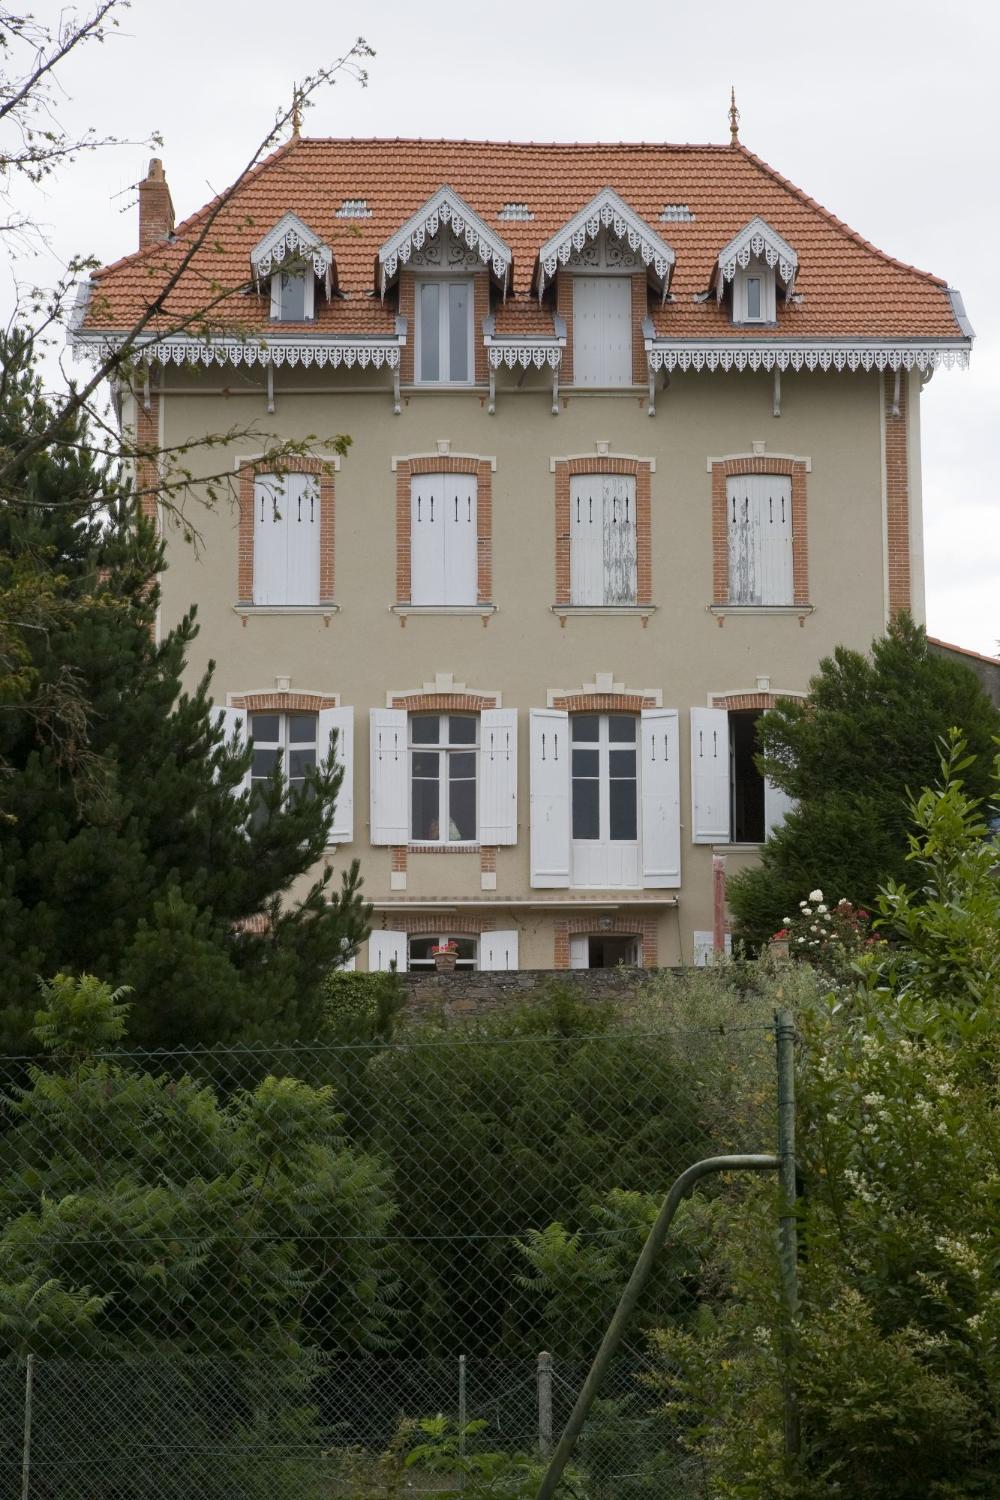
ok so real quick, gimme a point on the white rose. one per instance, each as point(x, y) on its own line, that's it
point(786, 921)
point(821, 907)
point(807, 911)
point(815, 895)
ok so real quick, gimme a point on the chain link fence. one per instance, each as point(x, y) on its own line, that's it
point(365, 1270)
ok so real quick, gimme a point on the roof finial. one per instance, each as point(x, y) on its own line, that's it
point(296, 112)
point(734, 118)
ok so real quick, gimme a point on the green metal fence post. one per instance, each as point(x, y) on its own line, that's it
point(29, 1383)
point(788, 1230)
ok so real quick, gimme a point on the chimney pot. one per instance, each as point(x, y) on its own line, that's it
point(156, 209)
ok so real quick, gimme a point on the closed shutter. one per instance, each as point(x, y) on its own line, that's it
point(620, 564)
point(340, 720)
point(427, 579)
point(390, 813)
point(270, 540)
point(385, 950)
point(550, 762)
point(586, 539)
point(777, 806)
point(660, 791)
point(498, 950)
point(498, 776)
point(460, 540)
point(302, 528)
point(709, 776)
point(233, 722)
point(588, 330)
point(704, 947)
point(579, 951)
point(617, 330)
point(759, 523)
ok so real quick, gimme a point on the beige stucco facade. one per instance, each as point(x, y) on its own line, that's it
point(682, 651)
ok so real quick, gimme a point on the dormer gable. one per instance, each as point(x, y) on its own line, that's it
point(292, 253)
point(607, 216)
point(753, 262)
point(445, 217)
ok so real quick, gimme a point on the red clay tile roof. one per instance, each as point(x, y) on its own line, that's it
point(849, 288)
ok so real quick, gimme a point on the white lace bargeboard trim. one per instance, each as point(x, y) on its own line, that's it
point(291, 238)
point(260, 352)
point(755, 241)
point(755, 357)
point(608, 212)
point(464, 226)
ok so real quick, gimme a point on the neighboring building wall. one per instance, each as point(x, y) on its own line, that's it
point(985, 668)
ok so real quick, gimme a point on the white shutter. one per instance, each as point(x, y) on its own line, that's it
point(270, 540)
point(498, 950)
point(427, 575)
point(617, 329)
point(704, 947)
point(234, 722)
point(461, 546)
point(498, 776)
point(660, 791)
point(774, 531)
point(579, 951)
point(550, 780)
point(302, 529)
point(390, 813)
point(586, 539)
point(341, 720)
point(777, 806)
point(709, 776)
point(588, 331)
point(386, 949)
point(620, 561)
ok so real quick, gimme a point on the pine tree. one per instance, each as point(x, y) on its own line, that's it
point(869, 733)
point(125, 848)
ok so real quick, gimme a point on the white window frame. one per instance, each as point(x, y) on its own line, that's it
point(309, 299)
point(427, 966)
point(444, 330)
point(756, 270)
point(284, 744)
point(585, 852)
point(444, 750)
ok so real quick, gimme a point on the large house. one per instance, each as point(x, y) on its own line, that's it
point(635, 441)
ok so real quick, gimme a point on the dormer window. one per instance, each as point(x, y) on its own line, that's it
point(753, 263)
point(293, 296)
point(292, 259)
point(754, 295)
point(444, 331)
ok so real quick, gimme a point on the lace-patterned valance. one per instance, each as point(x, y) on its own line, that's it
point(290, 239)
point(758, 241)
point(840, 357)
point(179, 350)
point(446, 208)
point(608, 212)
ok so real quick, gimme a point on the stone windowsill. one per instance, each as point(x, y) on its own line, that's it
point(286, 609)
point(642, 611)
point(761, 609)
point(475, 610)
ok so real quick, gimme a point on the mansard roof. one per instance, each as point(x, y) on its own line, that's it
point(706, 198)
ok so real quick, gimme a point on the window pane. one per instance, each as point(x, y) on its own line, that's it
point(293, 298)
point(425, 764)
point(586, 762)
point(264, 762)
point(458, 330)
point(585, 728)
point(424, 729)
point(461, 731)
point(622, 763)
point(462, 765)
point(430, 354)
point(420, 950)
point(299, 761)
point(426, 810)
point(753, 296)
point(264, 728)
point(462, 808)
point(466, 951)
point(302, 729)
point(623, 810)
point(621, 729)
point(586, 809)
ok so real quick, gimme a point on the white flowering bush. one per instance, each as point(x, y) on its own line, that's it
point(831, 936)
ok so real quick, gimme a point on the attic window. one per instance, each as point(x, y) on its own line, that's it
point(677, 213)
point(293, 296)
point(353, 208)
point(519, 211)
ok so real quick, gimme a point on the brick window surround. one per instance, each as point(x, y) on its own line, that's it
point(282, 703)
point(480, 311)
point(643, 928)
point(897, 491)
point(247, 474)
point(641, 468)
point(755, 463)
point(481, 470)
point(425, 922)
point(603, 703)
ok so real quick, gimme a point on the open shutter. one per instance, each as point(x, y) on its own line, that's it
point(461, 547)
point(386, 949)
point(579, 951)
point(660, 790)
point(302, 530)
point(620, 559)
point(427, 576)
point(550, 761)
point(498, 950)
point(709, 776)
point(586, 539)
point(341, 720)
point(777, 805)
point(498, 776)
point(390, 813)
point(774, 538)
point(234, 722)
point(270, 540)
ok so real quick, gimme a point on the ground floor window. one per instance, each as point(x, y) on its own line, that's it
point(600, 951)
point(420, 954)
point(747, 812)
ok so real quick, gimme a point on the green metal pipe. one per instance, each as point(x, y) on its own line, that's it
point(630, 1297)
point(788, 1232)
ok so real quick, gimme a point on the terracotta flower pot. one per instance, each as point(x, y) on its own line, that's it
point(778, 947)
point(445, 962)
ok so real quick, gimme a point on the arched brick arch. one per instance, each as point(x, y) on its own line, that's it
point(641, 927)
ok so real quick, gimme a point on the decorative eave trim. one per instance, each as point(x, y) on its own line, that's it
point(758, 239)
point(446, 207)
point(524, 352)
point(291, 237)
point(308, 350)
point(801, 354)
point(607, 211)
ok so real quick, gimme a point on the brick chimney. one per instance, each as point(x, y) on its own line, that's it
point(156, 209)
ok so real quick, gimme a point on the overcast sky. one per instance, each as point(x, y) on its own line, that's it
point(884, 111)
